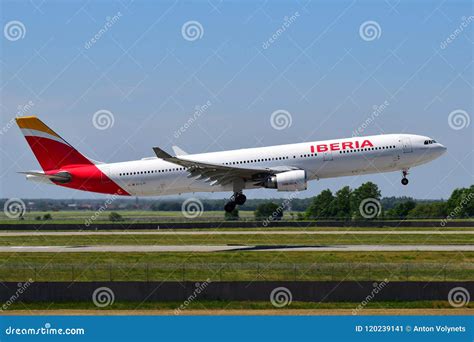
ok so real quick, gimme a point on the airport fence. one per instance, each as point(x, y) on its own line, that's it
point(238, 272)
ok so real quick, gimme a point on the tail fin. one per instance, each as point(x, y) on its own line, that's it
point(51, 151)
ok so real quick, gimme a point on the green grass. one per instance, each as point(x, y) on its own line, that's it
point(80, 216)
point(217, 239)
point(232, 266)
point(233, 305)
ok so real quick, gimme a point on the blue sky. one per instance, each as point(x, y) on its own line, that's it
point(322, 68)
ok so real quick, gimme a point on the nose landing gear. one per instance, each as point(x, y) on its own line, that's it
point(405, 179)
point(238, 198)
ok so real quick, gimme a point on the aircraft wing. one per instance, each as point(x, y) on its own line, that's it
point(219, 174)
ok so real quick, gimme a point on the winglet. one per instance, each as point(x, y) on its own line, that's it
point(178, 151)
point(161, 154)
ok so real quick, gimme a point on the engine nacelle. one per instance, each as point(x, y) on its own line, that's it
point(287, 181)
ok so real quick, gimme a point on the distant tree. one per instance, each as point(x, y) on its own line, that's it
point(342, 203)
point(47, 217)
point(322, 206)
point(401, 210)
point(428, 210)
point(269, 210)
point(232, 216)
point(38, 218)
point(461, 203)
point(115, 217)
point(366, 191)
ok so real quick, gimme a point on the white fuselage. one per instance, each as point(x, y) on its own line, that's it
point(320, 159)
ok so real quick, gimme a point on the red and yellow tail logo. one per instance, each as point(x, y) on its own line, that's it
point(52, 151)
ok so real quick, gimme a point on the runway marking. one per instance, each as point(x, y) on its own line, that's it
point(237, 248)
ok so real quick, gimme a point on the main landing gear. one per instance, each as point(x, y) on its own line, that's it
point(405, 179)
point(238, 198)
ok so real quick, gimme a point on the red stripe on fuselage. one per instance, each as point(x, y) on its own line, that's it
point(90, 178)
point(55, 156)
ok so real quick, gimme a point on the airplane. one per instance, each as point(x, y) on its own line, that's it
point(283, 167)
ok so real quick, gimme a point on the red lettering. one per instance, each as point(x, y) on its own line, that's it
point(322, 148)
point(356, 144)
point(335, 147)
point(312, 149)
point(346, 145)
point(366, 143)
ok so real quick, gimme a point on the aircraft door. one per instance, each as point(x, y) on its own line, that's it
point(327, 156)
point(406, 145)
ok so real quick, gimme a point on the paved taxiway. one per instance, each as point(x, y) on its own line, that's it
point(238, 248)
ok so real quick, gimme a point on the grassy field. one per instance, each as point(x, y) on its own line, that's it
point(236, 305)
point(217, 239)
point(237, 266)
point(80, 216)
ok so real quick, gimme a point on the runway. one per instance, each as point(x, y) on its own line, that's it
point(245, 232)
point(238, 248)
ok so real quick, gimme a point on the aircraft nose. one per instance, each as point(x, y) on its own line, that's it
point(441, 149)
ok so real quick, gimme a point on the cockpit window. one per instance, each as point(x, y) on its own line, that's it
point(427, 142)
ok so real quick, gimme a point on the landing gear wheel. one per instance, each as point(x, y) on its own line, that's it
point(230, 206)
point(404, 181)
point(240, 199)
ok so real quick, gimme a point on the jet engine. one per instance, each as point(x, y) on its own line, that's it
point(294, 180)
